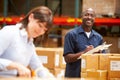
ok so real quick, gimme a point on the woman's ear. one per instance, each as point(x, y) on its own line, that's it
point(31, 16)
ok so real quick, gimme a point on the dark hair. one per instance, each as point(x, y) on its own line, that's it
point(42, 13)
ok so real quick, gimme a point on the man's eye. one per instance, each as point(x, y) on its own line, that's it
point(86, 14)
point(93, 15)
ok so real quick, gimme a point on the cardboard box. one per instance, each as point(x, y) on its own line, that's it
point(59, 59)
point(50, 57)
point(83, 75)
point(99, 74)
point(101, 62)
point(114, 67)
point(89, 61)
point(104, 61)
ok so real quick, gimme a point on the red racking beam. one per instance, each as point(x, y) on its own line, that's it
point(65, 21)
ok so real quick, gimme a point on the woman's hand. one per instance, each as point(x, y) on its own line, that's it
point(22, 70)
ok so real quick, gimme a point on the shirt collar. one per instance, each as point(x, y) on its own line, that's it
point(81, 30)
point(24, 34)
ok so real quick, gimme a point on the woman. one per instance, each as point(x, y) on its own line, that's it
point(17, 50)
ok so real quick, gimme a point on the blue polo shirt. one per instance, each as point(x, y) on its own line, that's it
point(76, 41)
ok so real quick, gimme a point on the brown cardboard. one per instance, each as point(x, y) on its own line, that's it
point(89, 61)
point(114, 67)
point(49, 57)
point(103, 61)
point(100, 74)
point(57, 72)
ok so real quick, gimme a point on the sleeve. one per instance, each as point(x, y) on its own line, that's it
point(5, 39)
point(4, 63)
point(4, 43)
point(38, 67)
point(69, 44)
point(35, 62)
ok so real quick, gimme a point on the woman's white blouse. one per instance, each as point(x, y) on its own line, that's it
point(15, 46)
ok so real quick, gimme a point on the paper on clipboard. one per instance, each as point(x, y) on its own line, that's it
point(100, 47)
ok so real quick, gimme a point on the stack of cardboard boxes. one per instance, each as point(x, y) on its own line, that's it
point(100, 66)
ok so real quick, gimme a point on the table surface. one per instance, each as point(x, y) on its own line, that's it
point(20, 78)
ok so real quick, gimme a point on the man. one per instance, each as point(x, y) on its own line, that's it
point(78, 41)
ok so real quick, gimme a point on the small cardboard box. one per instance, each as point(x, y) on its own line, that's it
point(89, 61)
point(99, 74)
point(49, 57)
point(114, 67)
point(104, 61)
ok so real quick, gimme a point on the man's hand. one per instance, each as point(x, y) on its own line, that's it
point(88, 48)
